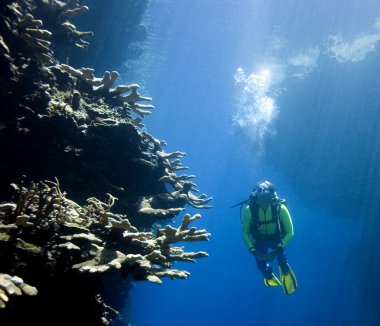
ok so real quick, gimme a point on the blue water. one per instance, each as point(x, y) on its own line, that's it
point(221, 116)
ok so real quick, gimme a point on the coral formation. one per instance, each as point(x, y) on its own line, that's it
point(119, 34)
point(89, 238)
point(64, 123)
point(13, 285)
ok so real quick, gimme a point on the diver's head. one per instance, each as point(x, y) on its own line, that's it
point(264, 190)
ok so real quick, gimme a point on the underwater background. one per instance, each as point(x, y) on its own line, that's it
point(286, 91)
point(91, 207)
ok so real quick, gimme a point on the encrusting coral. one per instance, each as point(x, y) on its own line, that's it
point(64, 123)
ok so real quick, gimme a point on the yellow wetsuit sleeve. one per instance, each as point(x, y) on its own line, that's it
point(249, 242)
point(287, 224)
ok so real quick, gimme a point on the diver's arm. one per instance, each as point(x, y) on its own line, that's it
point(286, 224)
point(246, 229)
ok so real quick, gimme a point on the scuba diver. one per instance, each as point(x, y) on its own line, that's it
point(267, 230)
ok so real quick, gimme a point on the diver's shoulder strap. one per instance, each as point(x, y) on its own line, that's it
point(254, 209)
point(276, 213)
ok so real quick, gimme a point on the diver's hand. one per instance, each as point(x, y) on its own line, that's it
point(279, 249)
point(271, 255)
point(258, 254)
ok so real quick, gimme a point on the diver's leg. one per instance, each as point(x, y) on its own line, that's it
point(269, 278)
point(288, 279)
point(282, 260)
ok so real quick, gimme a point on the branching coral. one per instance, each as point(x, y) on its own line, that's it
point(89, 239)
point(24, 24)
point(103, 86)
point(88, 105)
point(13, 286)
point(59, 12)
point(28, 29)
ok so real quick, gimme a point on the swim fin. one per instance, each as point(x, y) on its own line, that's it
point(288, 279)
point(272, 281)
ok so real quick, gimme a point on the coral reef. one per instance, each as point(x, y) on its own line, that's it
point(64, 123)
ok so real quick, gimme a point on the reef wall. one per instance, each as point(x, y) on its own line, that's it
point(65, 133)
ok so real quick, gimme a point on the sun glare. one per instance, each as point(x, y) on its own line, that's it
point(265, 74)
